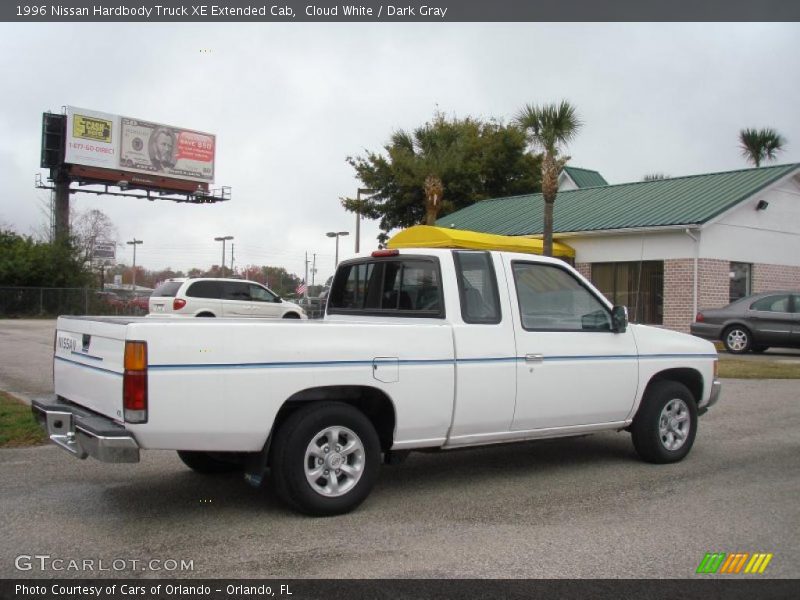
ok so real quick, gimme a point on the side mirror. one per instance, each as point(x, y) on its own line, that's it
point(619, 319)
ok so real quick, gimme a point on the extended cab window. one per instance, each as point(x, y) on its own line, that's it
point(551, 299)
point(477, 287)
point(400, 286)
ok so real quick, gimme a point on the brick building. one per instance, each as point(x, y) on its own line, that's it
point(666, 247)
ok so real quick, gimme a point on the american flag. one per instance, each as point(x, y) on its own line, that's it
point(301, 288)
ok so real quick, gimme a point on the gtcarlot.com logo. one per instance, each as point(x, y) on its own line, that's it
point(735, 563)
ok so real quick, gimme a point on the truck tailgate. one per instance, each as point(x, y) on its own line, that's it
point(88, 362)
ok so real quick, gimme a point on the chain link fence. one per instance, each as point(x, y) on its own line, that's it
point(51, 302)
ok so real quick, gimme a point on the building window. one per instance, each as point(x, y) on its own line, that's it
point(639, 285)
point(741, 280)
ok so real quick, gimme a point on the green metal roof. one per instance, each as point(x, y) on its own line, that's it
point(584, 178)
point(691, 200)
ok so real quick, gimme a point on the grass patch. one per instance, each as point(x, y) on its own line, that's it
point(758, 369)
point(17, 426)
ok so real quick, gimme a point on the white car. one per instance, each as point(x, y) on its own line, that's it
point(209, 297)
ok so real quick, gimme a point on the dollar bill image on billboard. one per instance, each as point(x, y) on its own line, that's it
point(97, 139)
point(154, 148)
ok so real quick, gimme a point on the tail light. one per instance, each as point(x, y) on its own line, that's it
point(699, 318)
point(134, 383)
point(178, 303)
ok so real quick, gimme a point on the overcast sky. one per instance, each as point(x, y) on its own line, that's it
point(288, 103)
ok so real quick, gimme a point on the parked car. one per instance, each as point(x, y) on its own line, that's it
point(111, 300)
point(754, 323)
point(209, 297)
point(140, 303)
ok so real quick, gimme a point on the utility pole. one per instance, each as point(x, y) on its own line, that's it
point(134, 242)
point(231, 258)
point(305, 281)
point(314, 269)
point(223, 239)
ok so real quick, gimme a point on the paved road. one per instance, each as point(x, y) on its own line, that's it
point(26, 356)
point(583, 507)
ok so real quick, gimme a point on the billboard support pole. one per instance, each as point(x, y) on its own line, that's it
point(61, 181)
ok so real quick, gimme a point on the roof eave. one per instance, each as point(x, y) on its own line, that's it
point(627, 230)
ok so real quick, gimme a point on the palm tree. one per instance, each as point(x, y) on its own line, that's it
point(549, 127)
point(427, 155)
point(760, 144)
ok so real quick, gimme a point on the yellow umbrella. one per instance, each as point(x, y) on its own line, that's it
point(426, 236)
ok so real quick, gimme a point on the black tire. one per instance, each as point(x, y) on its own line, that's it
point(758, 349)
point(207, 315)
point(290, 461)
point(737, 339)
point(207, 463)
point(658, 424)
point(291, 315)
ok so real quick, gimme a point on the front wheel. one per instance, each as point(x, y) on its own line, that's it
point(325, 459)
point(737, 339)
point(664, 429)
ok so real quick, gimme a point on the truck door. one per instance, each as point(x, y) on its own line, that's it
point(484, 347)
point(572, 368)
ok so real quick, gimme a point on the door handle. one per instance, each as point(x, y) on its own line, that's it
point(534, 358)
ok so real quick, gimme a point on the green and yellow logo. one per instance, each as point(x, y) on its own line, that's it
point(91, 128)
point(734, 563)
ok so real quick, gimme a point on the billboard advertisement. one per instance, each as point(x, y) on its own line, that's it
point(96, 139)
point(104, 253)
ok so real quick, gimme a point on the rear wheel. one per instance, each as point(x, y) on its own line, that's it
point(205, 314)
point(325, 459)
point(291, 315)
point(664, 429)
point(737, 339)
point(206, 462)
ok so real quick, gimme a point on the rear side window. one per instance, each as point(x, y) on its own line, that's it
point(167, 289)
point(403, 287)
point(477, 287)
point(205, 289)
point(772, 304)
point(236, 290)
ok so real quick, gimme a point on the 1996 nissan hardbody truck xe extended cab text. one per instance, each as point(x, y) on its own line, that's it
point(419, 349)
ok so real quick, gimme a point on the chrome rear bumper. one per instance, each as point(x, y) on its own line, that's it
point(83, 433)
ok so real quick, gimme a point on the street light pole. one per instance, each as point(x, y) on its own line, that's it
point(134, 242)
point(358, 215)
point(337, 235)
point(223, 239)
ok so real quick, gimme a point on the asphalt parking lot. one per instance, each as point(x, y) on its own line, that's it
point(583, 507)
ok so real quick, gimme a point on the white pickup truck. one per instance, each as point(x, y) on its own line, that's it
point(419, 349)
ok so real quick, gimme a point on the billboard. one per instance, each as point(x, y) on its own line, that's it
point(104, 253)
point(96, 139)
